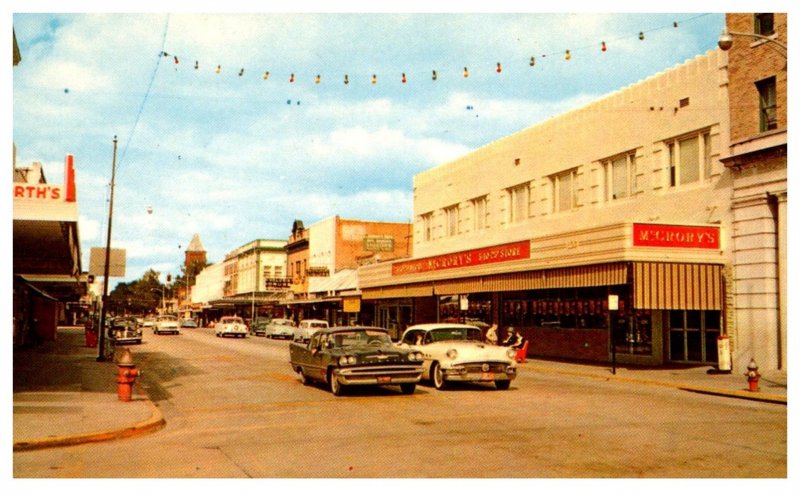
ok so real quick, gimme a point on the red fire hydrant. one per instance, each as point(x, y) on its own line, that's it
point(126, 375)
point(752, 376)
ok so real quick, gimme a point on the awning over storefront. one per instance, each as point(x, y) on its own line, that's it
point(400, 291)
point(677, 286)
point(580, 276)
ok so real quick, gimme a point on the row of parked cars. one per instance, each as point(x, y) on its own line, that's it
point(440, 353)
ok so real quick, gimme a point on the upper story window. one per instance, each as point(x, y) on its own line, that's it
point(767, 105)
point(689, 159)
point(451, 219)
point(518, 211)
point(764, 24)
point(621, 176)
point(565, 196)
point(427, 226)
point(480, 213)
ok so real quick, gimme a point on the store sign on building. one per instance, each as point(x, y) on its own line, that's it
point(675, 236)
point(495, 254)
point(376, 243)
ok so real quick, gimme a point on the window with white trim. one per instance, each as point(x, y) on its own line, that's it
point(689, 159)
point(565, 196)
point(767, 105)
point(620, 172)
point(480, 213)
point(451, 219)
point(518, 199)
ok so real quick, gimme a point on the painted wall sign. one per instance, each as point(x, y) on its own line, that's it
point(38, 191)
point(495, 254)
point(675, 236)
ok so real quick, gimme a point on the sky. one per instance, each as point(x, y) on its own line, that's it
point(233, 156)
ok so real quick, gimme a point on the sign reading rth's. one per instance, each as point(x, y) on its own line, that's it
point(495, 254)
point(675, 236)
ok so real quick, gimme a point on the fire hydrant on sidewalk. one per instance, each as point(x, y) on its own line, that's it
point(126, 375)
point(752, 376)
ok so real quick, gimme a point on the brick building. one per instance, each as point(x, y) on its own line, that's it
point(757, 159)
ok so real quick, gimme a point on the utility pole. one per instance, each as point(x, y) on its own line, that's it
point(101, 343)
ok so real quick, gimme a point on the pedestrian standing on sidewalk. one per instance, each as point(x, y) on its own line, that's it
point(491, 334)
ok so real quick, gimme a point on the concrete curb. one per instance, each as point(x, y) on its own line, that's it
point(740, 394)
point(154, 423)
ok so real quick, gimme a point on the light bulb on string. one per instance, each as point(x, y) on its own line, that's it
point(374, 79)
point(403, 78)
point(176, 60)
point(603, 46)
point(434, 75)
point(533, 61)
point(675, 24)
point(568, 55)
point(641, 35)
point(317, 79)
point(466, 72)
point(149, 210)
point(291, 77)
point(346, 79)
point(499, 68)
point(196, 65)
point(266, 75)
point(241, 72)
point(219, 69)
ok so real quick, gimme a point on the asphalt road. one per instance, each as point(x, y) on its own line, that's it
point(234, 408)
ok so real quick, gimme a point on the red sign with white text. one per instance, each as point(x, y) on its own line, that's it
point(495, 254)
point(675, 236)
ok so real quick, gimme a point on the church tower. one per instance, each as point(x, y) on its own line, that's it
point(195, 253)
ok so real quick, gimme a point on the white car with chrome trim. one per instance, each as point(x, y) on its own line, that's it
point(455, 352)
point(231, 325)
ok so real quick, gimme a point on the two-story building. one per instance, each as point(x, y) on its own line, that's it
point(604, 231)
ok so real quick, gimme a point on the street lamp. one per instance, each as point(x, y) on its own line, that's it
point(726, 39)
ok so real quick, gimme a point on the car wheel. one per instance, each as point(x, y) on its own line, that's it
point(408, 388)
point(437, 375)
point(303, 378)
point(336, 387)
point(502, 384)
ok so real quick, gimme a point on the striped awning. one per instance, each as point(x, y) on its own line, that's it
point(555, 278)
point(677, 286)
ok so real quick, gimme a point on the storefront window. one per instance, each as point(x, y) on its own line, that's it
point(478, 312)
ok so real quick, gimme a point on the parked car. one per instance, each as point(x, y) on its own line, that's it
point(259, 325)
point(124, 330)
point(188, 323)
point(456, 352)
point(148, 322)
point(343, 356)
point(166, 324)
point(231, 325)
point(306, 328)
point(280, 328)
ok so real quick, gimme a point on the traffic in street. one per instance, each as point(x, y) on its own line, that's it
point(235, 408)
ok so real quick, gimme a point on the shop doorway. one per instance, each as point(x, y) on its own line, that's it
point(693, 336)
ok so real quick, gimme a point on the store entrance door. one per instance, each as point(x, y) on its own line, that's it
point(693, 336)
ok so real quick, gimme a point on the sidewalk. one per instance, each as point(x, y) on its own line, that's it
point(63, 396)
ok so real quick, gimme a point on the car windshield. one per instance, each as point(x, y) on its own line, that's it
point(288, 323)
point(455, 333)
point(167, 318)
point(232, 320)
point(359, 337)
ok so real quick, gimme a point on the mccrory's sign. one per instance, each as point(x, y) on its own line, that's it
point(495, 254)
point(675, 236)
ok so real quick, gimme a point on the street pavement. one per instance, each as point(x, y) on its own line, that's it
point(64, 396)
